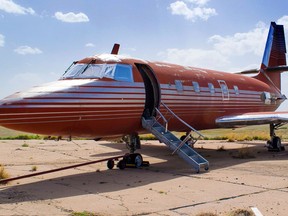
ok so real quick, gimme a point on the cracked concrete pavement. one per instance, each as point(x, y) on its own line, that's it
point(167, 187)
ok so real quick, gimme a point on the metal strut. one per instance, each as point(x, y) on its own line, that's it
point(274, 144)
point(4, 181)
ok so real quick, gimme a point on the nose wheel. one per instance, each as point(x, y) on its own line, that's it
point(134, 160)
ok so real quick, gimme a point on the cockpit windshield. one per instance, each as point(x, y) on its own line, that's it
point(119, 72)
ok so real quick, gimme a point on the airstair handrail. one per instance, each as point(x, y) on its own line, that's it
point(164, 119)
point(181, 120)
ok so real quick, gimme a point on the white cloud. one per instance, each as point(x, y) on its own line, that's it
point(192, 13)
point(226, 49)
point(89, 45)
point(26, 50)
point(2, 40)
point(252, 41)
point(198, 2)
point(10, 7)
point(195, 57)
point(71, 17)
point(284, 21)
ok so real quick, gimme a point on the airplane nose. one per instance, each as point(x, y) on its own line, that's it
point(46, 109)
point(8, 110)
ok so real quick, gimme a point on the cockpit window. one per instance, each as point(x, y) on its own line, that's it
point(119, 72)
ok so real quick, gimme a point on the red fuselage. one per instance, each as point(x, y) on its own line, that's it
point(87, 106)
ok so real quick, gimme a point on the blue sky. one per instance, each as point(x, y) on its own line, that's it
point(40, 39)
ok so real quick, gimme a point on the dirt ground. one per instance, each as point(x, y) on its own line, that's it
point(167, 187)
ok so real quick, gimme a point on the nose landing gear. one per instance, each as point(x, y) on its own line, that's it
point(132, 159)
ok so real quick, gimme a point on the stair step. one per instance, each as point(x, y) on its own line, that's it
point(185, 151)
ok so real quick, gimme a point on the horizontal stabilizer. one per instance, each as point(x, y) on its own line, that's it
point(255, 118)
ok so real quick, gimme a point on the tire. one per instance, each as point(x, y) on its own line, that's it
point(276, 143)
point(135, 159)
point(110, 164)
point(121, 165)
point(138, 160)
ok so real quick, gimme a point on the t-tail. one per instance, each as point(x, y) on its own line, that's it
point(274, 58)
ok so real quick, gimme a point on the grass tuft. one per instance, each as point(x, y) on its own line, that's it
point(84, 213)
point(3, 173)
point(241, 212)
point(22, 137)
point(25, 145)
point(206, 214)
point(221, 148)
point(244, 153)
point(34, 168)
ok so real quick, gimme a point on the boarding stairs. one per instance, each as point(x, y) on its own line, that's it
point(158, 126)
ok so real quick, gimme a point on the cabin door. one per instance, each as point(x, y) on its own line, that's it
point(224, 89)
point(152, 89)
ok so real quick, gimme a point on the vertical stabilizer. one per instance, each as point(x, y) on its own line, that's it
point(275, 50)
point(274, 58)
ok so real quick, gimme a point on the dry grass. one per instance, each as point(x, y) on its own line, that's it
point(206, 214)
point(34, 168)
point(3, 173)
point(221, 148)
point(241, 212)
point(244, 153)
point(85, 213)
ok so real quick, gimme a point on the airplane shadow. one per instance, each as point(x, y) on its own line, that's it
point(168, 167)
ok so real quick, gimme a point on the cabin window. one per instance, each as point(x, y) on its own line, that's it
point(196, 86)
point(90, 71)
point(178, 85)
point(211, 88)
point(236, 89)
point(119, 72)
point(123, 73)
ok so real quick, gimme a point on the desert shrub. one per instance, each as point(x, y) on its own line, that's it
point(3, 173)
point(241, 212)
point(244, 153)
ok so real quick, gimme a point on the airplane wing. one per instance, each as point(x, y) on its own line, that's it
point(252, 118)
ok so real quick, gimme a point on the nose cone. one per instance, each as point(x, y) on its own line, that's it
point(39, 109)
point(13, 111)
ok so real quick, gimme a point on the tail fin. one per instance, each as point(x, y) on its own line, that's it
point(274, 58)
point(275, 50)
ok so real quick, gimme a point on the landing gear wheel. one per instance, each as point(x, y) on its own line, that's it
point(138, 160)
point(110, 164)
point(275, 144)
point(121, 165)
point(134, 160)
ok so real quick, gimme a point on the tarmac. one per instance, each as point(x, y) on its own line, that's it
point(242, 175)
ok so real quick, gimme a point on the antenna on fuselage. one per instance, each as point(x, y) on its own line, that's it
point(115, 49)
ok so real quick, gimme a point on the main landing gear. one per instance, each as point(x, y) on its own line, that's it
point(274, 144)
point(132, 159)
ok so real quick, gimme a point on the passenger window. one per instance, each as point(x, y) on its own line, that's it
point(178, 85)
point(211, 88)
point(236, 89)
point(196, 86)
point(123, 73)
